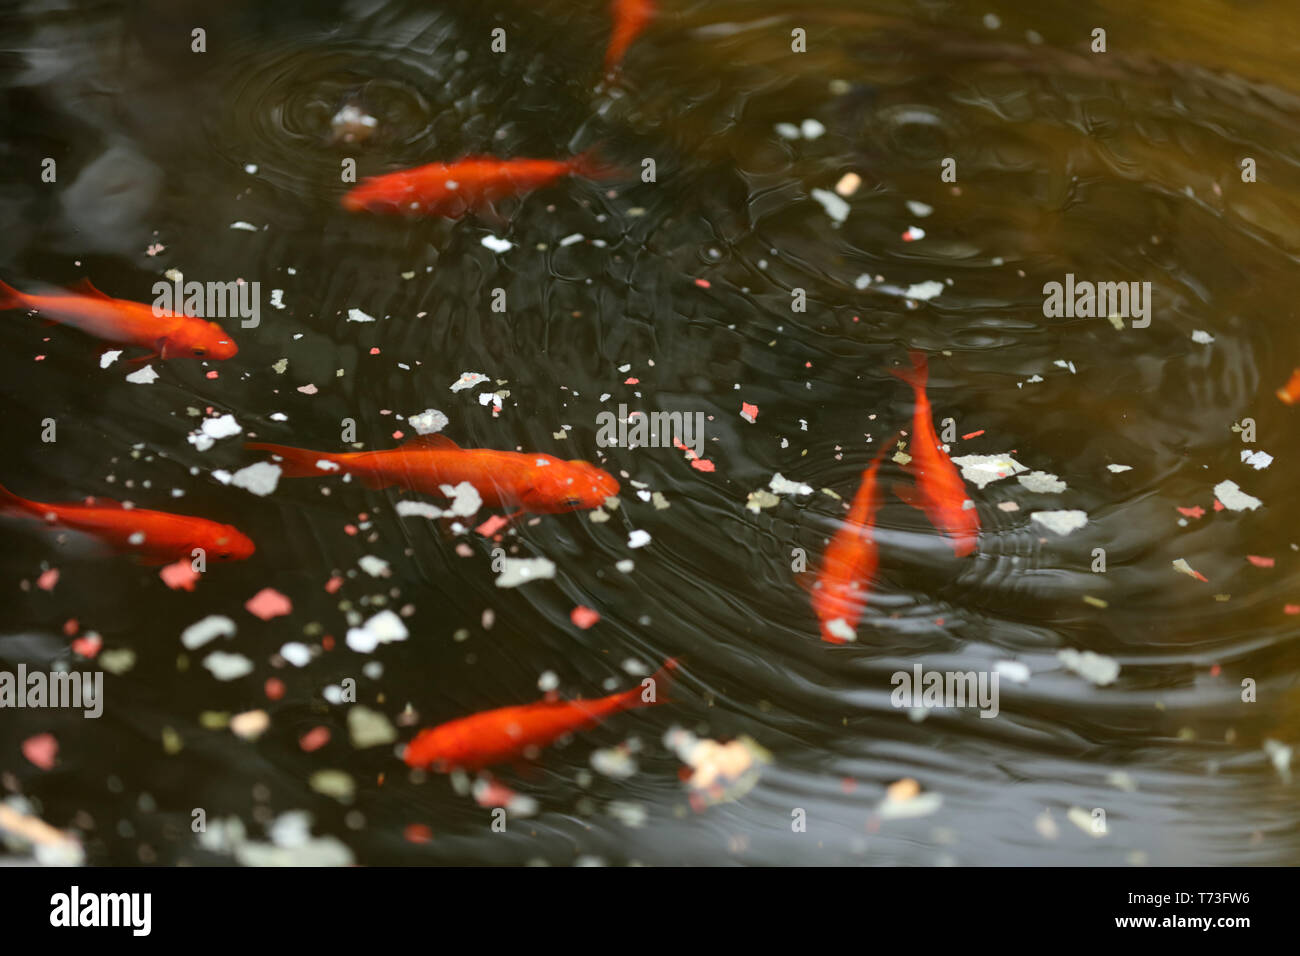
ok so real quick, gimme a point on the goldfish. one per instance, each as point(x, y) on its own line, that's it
point(849, 565)
point(630, 18)
point(1290, 392)
point(510, 733)
point(472, 183)
point(537, 483)
point(939, 490)
point(123, 322)
point(155, 537)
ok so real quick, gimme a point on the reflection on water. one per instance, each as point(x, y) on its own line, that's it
point(798, 238)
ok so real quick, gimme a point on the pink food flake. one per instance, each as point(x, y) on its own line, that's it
point(213, 374)
point(417, 833)
point(972, 435)
point(308, 389)
point(268, 603)
point(374, 350)
point(495, 794)
point(333, 584)
point(48, 579)
point(70, 626)
point(1218, 505)
point(632, 380)
point(584, 616)
point(493, 524)
point(702, 283)
point(274, 688)
point(314, 739)
point(1195, 512)
point(1291, 609)
point(351, 529)
point(1260, 562)
point(180, 575)
point(703, 464)
point(41, 750)
point(87, 646)
point(748, 412)
point(397, 434)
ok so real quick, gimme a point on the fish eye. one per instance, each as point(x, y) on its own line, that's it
point(572, 501)
point(200, 350)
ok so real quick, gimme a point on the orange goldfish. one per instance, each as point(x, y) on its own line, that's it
point(939, 490)
point(850, 563)
point(155, 537)
point(122, 322)
point(510, 733)
point(535, 483)
point(1290, 392)
point(472, 183)
point(630, 18)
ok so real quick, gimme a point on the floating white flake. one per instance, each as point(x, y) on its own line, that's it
point(1042, 482)
point(1202, 338)
point(783, 486)
point(1097, 668)
point(428, 422)
point(517, 571)
point(1256, 459)
point(109, 357)
point(144, 376)
point(207, 629)
point(497, 245)
point(384, 628)
point(374, 566)
point(356, 315)
point(260, 478)
point(1233, 498)
point(979, 470)
point(834, 205)
point(228, 666)
point(924, 291)
point(638, 539)
point(468, 380)
point(1119, 468)
point(1062, 522)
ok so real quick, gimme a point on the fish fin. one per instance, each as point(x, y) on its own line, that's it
point(440, 442)
point(917, 375)
point(10, 298)
point(147, 357)
point(908, 494)
point(491, 214)
point(85, 287)
point(297, 462)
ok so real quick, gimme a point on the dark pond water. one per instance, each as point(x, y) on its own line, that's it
point(676, 295)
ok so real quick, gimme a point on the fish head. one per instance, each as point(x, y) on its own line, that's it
point(229, 544)
point(568, 486)
point(200, 339)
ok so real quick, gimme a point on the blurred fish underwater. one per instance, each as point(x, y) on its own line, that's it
point(659, 267)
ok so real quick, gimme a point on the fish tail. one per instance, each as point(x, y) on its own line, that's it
point(297, 462)
point(589, 165)
point(11, 503)
point(10, 298)
point(918, 374)
point(657, 691)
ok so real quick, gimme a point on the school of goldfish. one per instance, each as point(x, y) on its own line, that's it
point(518, 482)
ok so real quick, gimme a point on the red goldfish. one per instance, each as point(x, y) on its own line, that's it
point(122, 322)
point(510, 733)
point(156, 537)
point(850, 562)
point(472, 183)
point(939, 490)
point(1290, 392)
point(536, 483)
point(630, 18)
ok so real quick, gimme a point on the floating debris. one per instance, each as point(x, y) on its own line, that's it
point(1233, 498)
point(1042, 482)
point(1061, 522)
point(517, 571)
point(980, 470)
point(1091, 666)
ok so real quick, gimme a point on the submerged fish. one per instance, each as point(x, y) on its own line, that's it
point(849, 566)
point(155, 537)
point(469, 184)
point(122, 322)
point(939, 490)
point(630, 18)
point(504, 479)
point(1289, 393)
point(511, 733)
